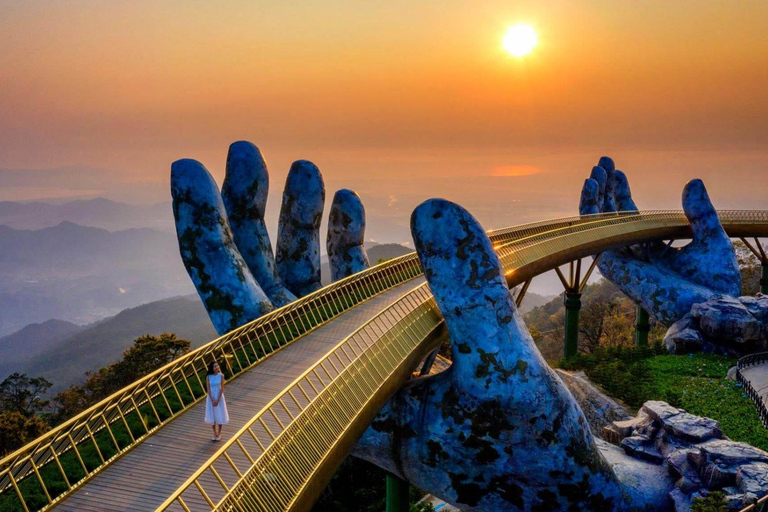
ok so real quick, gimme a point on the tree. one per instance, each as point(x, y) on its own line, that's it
point(22, 394)
point(16, 430)
point(147, 354)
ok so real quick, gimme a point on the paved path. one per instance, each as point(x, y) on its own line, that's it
point(757, 375)
point(143, 478)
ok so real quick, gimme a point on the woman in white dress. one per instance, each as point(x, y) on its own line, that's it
point(215, 406)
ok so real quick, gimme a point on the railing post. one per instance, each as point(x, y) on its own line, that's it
point(572, 300)
point(642, 327)
point(397, 494)
point(764, 278)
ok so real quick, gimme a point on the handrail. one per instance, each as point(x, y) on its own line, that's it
point(315, 433)
point(749, 389)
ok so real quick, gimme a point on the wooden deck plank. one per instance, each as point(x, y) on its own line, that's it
point(144, 477)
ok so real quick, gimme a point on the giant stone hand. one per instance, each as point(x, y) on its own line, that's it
point(225, 246)
point(666, 281)
point(498, 430)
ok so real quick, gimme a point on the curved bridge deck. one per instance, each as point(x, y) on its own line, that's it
point(143, 478)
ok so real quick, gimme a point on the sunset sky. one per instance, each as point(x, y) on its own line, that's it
point(400, 100)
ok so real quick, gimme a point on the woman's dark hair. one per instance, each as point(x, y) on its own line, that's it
point(210, 368)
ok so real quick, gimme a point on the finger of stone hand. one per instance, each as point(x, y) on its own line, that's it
point(298, 232)
point(710, 259)
point(609, 202)
point(346, 235)
point(488, 337)
point(590, 193)
point(599, 175)
point(667, 295)
point(230, 293)
point(622, 194)
point(244, 193)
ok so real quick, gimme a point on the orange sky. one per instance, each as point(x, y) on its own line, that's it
point(407, 99)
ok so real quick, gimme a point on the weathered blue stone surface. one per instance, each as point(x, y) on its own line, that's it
point(695, 455)
point(346, 235)
point(722, 325)
point(298, 234)
point(498, 430)
point(608, 200)
point(668, 281)
point(244, 193)
point(230, 293)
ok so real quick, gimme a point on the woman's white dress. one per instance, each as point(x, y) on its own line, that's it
point(219, 413)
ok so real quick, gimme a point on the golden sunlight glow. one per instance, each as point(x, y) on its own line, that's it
point(519, 40)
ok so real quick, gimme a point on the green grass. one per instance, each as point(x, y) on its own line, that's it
point(695, 382)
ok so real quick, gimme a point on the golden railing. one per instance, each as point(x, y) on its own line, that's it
point(283, 458)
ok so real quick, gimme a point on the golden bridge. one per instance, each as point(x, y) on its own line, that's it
point(305, 381)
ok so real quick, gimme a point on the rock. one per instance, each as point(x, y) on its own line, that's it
point(683, 337)
point(680, 500)
point(599, 409)
point(732, 373)
point(753, 478)
point(618, 430)
point(725, 318)
point(692, 428)
point(659, 410)
point(642, 448)
point(757, 307)
point(717, 476)
point(731, 453)
point(678, 465)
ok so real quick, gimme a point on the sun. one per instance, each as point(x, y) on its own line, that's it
point(519, 40)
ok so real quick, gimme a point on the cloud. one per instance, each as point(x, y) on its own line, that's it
point(392, 201)
point(515, 170)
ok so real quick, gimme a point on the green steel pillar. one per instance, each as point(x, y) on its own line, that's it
point(572, 302)
point(397, 494)
point(642, 327)
point(764, 280)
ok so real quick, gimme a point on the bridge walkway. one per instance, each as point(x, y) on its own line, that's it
point(756, 377)
point(143, 478)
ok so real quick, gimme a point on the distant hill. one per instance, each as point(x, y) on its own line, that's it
point(83, 274)
point(97, 213)
point(386, 252)
point(375, 252)
point(533, 300)
point(19, 348)
point(67, 358)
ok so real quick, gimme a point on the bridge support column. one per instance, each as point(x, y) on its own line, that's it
point(642, 327)
point(572, 302)
point(573, 285)
point(764, 279)
point(397, 494)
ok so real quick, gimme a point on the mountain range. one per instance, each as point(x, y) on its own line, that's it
point(98, 213)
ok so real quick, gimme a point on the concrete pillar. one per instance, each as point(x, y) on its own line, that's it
point(397, 494)
point(572, 302)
